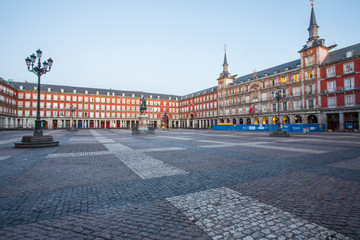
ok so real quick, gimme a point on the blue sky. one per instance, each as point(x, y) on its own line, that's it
point(162, 46)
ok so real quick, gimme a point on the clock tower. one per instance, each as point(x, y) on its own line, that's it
point(223, 82)
point(312, 55)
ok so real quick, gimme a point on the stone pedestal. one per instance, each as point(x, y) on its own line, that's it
point(279, 133)
point(143, 127)
point(36, 141)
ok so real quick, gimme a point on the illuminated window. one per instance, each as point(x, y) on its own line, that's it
point(309, 75)
point(296, 77)
point(283, 80)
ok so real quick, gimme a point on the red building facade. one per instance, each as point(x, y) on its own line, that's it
point(322, 86)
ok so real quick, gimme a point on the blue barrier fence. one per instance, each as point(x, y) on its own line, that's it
point(298, 127)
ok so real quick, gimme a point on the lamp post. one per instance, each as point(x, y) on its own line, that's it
point(38, 70)
point(278, 94)
point(72, 109)
point(38, 139)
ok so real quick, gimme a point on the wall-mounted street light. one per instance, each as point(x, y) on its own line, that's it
point(39, 70)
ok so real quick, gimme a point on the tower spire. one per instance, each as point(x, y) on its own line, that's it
point(313, 27)
point(225, 65)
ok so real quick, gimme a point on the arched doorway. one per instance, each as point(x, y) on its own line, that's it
point(265, 120)
point(234, 121)
point(256, 121)
point(297, 119)
point(191, 120)
point(248, 121)
point(221, 120)
point(241, 121)
point(274, 120)
point(286, 120)
point(312, 119)
point(228, 120)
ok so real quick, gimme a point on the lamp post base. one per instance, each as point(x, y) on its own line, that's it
point(38, 132)
point(279, 133)
point(36, 142)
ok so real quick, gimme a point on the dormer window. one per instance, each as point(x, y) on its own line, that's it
point(123, 94)
point(108, 93)
point(349, 54)
point(150, 96)
point(86, 92)
point(21, 88)
point(62, 90)
point(74, 91)
point(49, 89)
point(133, 95)
point(97, 92)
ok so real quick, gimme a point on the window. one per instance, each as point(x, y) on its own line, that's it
point(330, 71)
point(311, 103)
point(264, 96)
point(349, 100)
point(331, 86)
point(296, 77)
point(310, 89)
point(331, 102)
point(283, 80)
point(296, 91)
point(274, 107)
point(309, 75)
point(348, 67)
point(297, 105)
point(284, 106)
point(309, 60)
point(349, 83)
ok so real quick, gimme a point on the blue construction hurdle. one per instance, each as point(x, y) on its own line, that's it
point(297, 127)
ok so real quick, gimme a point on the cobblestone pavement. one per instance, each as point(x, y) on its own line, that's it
point(181, 184)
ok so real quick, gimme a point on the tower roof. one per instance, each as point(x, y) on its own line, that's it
point(225, 59)
point(312, 18)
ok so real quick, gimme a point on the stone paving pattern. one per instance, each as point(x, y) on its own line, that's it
point(181, 184)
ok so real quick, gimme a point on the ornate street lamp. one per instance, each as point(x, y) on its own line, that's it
point(278, 94)
point(38, 139)
point(38, 70)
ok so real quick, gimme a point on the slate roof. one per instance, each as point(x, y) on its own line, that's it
point(340, 55)
point(92, 91)
point(270, 71)
point(199, 93)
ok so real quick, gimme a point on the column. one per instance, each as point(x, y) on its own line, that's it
point(341, 121)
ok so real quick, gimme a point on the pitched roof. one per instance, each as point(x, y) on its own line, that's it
point(92, 91)
point(270, 71)
point(340, 54)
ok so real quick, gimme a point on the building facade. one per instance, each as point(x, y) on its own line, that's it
point(322, 86)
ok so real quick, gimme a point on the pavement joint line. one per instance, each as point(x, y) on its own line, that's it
point(10, 140)
point(143, 165)
point(4, 157)
point(79, 154)
point(208, 210)
point(260, 145)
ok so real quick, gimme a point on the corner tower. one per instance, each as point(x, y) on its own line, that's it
point(223, 82)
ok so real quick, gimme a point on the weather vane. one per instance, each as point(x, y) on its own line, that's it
point(225, 47)
point(312, 2)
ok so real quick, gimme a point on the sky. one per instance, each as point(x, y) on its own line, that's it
point(163, 46)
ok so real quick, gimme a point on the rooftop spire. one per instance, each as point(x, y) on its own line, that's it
point(225, 65)
point(313, 27)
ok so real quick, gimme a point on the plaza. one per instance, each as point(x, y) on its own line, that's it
point(181, 184)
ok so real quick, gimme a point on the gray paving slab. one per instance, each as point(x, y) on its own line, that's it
point(181, 184)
